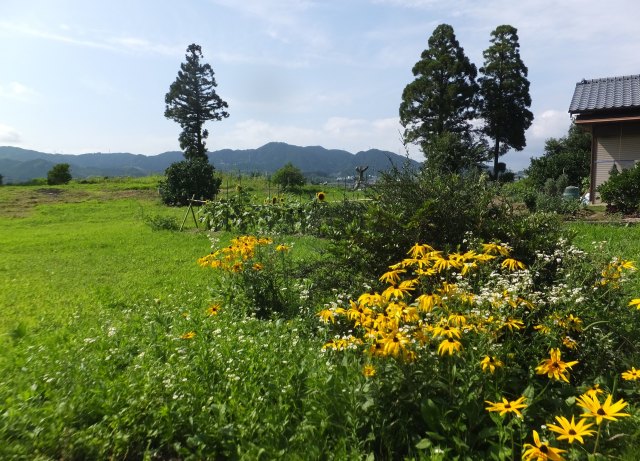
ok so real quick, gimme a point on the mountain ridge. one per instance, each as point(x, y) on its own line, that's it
point(20, 165)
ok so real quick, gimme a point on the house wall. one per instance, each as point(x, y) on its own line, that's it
point(614, 144)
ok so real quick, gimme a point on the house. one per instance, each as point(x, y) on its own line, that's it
point(610, 109)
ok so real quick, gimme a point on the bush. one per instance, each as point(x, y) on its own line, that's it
point(622, 191)
point(158, 222)
point(59, 174)
point(189, 178)
point(429, 206)
point(289, 177)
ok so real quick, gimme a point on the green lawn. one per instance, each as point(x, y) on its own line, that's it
point(64, 258)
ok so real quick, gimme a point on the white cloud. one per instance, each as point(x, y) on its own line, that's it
point(9, 134)
point(17, 91)
point(549, 124)
point(77, 38)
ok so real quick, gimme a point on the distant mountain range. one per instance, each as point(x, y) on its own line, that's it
point(20, 165)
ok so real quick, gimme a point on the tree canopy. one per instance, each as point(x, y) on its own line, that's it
point(289, 177)
point(59, 174)
point(504, 91)
point(570, 155)
point(442, 97)
point(192, 100)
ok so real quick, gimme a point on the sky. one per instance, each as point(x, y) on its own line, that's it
point(81, 76)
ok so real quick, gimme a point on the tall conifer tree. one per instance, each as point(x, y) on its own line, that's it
point(192, 100)
point(504, 90)
point(442, 96)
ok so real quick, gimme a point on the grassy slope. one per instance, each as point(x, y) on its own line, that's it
point(84, 248)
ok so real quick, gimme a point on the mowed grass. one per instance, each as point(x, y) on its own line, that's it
point(77, 249)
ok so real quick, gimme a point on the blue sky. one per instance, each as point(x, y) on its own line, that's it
point(82, 76)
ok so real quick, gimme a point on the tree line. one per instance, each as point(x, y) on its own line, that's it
point(439, 107)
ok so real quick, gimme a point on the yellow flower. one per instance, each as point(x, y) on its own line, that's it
point(635, 302)
point(449, 346)
point(369, 371)
point(419, 251)
point(189, 335)
point(426, 302)
point(495, 248)
point(544, 329)
point(594, 391)
point(569, 342)
point(512, 264)
point(320, 196)
point(570, 430)
point(213, 309)
point(507, 406)
point(392, 277)
point(541, 451)
point(327, 315)
point(607, 410)
point(257, 266)
point(490, 363)
point(282, 248)
point(446, 330)
point(512, 324)
point(399, 291)
point(631, 375)
point(554, 367)
point(394, 344)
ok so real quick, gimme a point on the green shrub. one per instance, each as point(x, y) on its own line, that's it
point(59, 174)
point(289, 177)
point(622, 190)
point(444, 210)
point(158, 222)
point(189, 178)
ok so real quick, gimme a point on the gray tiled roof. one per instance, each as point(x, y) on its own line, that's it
point(606, 93)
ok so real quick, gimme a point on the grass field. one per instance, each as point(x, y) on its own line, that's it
point(95, 308)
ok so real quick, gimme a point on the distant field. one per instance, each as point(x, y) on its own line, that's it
point(70, 250)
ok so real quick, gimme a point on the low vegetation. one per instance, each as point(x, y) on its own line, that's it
point(125, 339)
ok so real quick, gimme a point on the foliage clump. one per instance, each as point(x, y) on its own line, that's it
point(621, 192)
point(59, 174)
point(289, 177)
point(189, 178)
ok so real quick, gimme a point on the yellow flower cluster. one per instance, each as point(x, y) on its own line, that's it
point(419, 307)
point(571, 431)
point(613, 272)
point(233, 257)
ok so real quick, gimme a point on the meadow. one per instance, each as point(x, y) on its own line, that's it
point(118, 344)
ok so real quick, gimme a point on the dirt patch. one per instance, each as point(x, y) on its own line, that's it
point(54, 192)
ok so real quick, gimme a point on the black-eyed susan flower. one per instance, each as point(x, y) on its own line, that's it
point(635, 303)
point(513, 324)
point(631, 375)
point(282, 248)
point(395, 343)
point(369, 371)
point(321, 196)
point(449, 346)
point(512, 264)
point(607, 410)
point(446, 330)
point(188, 335)
point(392, 277)
point(213, 309)
point(569, 430)
point(594, 391)
point(490, 363)
point(327, 315)
point(554, 367)
point(495, 249)
point(507, 406)
point(541, 451)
